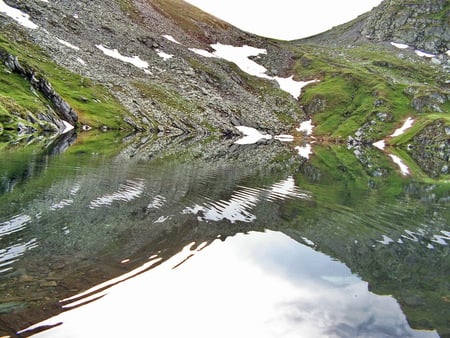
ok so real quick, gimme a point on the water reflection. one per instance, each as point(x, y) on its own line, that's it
point(124, 217)
point(255, 285)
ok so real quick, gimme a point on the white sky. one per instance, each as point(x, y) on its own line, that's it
point(285, 19)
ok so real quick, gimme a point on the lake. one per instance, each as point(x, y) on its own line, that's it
point(103, 234)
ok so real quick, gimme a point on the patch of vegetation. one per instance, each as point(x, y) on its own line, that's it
point(94, 105)
point(358, 84)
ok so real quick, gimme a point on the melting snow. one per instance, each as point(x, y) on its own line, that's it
point(408, 124)
point(306, 127)
point(163, 55)
point(240, 56)
point(399, 45)
point(171, 38)
point(22, 18)
point(81, 61)
point(425, 54)
point(304, 151)
point(114, 53)
point(251, 135)
point(67, 44)
point(202, 52)
point(67, 127)
point(291, 86)
point(284, 138)
point(380, 144)
point(403, 167)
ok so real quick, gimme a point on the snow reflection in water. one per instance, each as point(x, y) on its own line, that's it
point(130, 190)
point(267, 285)
point(238, 207)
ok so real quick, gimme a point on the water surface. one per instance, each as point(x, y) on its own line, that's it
point(218, 239)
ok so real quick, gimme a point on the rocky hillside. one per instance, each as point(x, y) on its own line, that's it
point(156, 66)
point(138, 64)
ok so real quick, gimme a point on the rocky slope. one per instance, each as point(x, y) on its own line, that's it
point(163, 84)
point(147, 65)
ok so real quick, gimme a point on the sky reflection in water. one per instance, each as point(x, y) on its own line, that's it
point(252, 285)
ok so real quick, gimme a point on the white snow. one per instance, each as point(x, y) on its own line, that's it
point(67, 127)
point(68, 44)
point(284, 138)
point(291, 86)
point(306, 127)
point(304, 151)
point(403, 167)
point(202, 52)
point(22, 18)
point(399, 45)
point(114, 53)
point(251, 135)
point(380, 144)
point(163, 55)
point(240, 56)
point(448, 52)
point(81, 61)
point(424, 54)
point(171, 38)
point(408, 124)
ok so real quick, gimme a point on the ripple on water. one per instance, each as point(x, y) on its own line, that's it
point(129, 191)
point(238, 207)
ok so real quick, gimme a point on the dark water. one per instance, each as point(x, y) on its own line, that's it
point(167, 238)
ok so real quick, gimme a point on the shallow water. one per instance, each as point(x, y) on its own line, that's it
point(248, 240)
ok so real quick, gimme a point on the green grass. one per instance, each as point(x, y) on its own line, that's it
point(93, 103)
point(358, 83)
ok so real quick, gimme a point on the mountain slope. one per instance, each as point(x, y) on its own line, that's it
point(163, 84)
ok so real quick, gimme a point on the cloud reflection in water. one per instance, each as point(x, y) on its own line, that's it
point(254, 285)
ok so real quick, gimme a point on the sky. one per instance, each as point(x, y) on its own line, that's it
point(285, 19)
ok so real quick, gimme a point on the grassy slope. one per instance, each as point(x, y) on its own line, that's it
point(354, 79)
point(93, 103)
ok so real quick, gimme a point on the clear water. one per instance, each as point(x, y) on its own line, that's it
point(184, 238)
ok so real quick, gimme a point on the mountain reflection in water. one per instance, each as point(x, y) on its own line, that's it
point(254, 285)
point(219, 239)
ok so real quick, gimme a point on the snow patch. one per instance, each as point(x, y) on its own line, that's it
point(251, 135)
point(67, 44)
point(408, 124)
point(171, 38)
point(163, 55)
point(291, 86)
point(306, 127)
point(114, 53)
point(67, 127)
point(81, 61)
point(399, 45)
point(380, 144)
point(304, 151)
point(202, 52)
point(424, 54)
point(240, 56)
point(20, 17)
point(403, 167)
point(284, 138)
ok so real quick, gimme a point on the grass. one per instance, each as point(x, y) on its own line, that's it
point(93, 103)
point(358, 83)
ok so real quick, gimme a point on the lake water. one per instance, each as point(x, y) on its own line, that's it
point(167, 237)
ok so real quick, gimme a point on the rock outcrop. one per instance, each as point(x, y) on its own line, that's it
point(422, 24)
